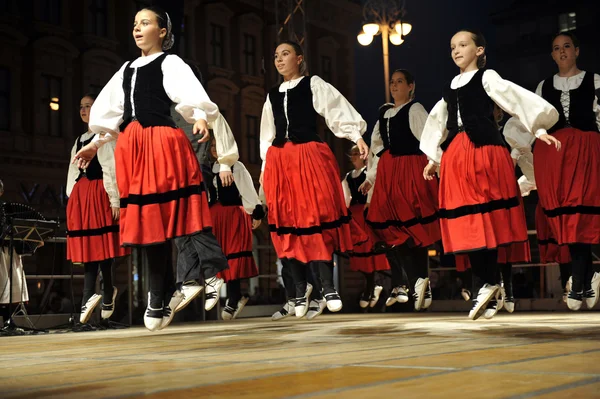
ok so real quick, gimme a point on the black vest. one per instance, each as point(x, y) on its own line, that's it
point(152, 104)
point(476, 113)
point(581, 114)
point(301, 121)
point(226, 196)
point(94, 170)
point(399, 139)
point(354, 184)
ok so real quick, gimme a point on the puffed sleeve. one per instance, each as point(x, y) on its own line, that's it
point(73, 172)
point(106, 158)
point(267, 130)
point(535, 113)
point(341, 117)
point(434, 132)
point(597, 99)
point(346, 189)
point(250, 201)
point(518, 138)
point(417, 117)
point(376, 148)
point(184, 89)
point(227, 149)
point(106, 114)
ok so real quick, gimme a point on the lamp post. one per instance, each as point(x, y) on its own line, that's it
point(385, 17)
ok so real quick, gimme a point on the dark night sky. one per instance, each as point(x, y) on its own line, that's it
point(425, 52)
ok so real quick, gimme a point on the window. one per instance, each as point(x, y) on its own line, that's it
point(50, 11)
point(98, 17)
point(252, 130)
point(4, 99)
point(567, 21)
point(249, 54)
point(217, 44)
point(51, 104)
point(326, 68)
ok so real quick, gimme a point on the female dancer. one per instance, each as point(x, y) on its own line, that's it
point(236, 211)
point(479, 200)
point(569, 185)
point(403, 208)
point(362, 259)
point(159, 180)
point(92, 220)
point(307, 215)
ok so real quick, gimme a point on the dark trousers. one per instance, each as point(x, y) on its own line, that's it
point(199, 257)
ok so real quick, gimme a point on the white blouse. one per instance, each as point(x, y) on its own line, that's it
point(346, 188)
point(179, 82)
point(227, 149)
point(520, 141)
point(417, 116)
point(564, 84)
point(341, 117)
point(535, 113)
point(243, 181)
point(106, 158)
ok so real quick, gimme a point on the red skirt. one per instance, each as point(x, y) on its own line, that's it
point(232, 227)
point(162, 195)
point(550, 251)
point(404, 205)
point(92, 234)
point(568, 183)
point(308, 218)
point(480, 203)
point(362, 258)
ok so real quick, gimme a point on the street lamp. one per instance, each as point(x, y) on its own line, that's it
point(385, 17)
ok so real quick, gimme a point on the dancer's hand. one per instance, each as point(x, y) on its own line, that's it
point(365, 187)
point(226, 178)
point(546, 138)
point(429, 171)
point(116, 213)
point(255, 224)
point(201, 128)
point(363, 148)
point(85, 155)
point(260, 179)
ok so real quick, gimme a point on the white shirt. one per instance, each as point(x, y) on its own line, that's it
point(346, 188)
point(243, 181)
point(341, 117)
point(106, 158)
point(564, 84)
point(520, 141)
point(417, 116)
point(179, 82)
point(227, 149)
point(535, 113)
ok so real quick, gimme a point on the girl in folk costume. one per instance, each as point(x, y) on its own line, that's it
point(362, 259)
point(479, 200)
point(403, 210)
point(92, 220)
point(158, 177)
point(307, 216)
point(569, 185)
point(236, 210)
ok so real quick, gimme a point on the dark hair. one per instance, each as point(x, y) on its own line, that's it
point(90, 95)
point(409, 79)
point(299, 51)
point(574, 38)
point(479, 40)
point(164, 22)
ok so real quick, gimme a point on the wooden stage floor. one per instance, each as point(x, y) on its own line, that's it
point(534, 355)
